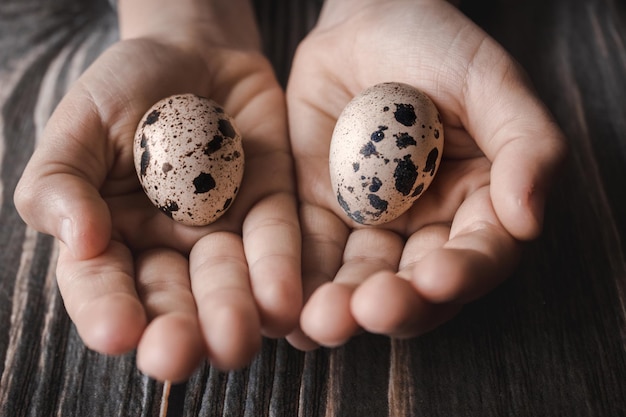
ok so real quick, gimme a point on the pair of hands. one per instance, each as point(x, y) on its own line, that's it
point(283, 262)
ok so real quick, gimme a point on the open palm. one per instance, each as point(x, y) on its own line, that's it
point(131, 276)
point(461, 238)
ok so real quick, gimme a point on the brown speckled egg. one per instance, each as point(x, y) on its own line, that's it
point(189, 158)
point(385, 151)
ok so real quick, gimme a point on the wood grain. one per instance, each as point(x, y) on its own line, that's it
point(551, 341)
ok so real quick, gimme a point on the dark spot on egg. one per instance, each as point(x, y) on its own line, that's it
point(418, 190)
point(356, 166)
point(227, 204)
point(368, 150)
point(145, 162)
point(386, 108)
point(344, 205)
point(214, 145)
point(203, 183)
point(379, 135)
point(405, 175)
point(405, 114)
point(226, 128)
point(436, 133)
point(431, 161)
point(375, 185)
point(356, 216)
point(144, 141)
point(152, 117)
point(167, 167)
point(403, 140)
point(169, 207)
point(377, 202)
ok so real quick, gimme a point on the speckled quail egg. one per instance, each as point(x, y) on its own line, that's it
point(385, 151)
point(189, 158)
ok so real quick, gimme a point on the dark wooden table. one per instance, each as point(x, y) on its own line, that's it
point(551, 341)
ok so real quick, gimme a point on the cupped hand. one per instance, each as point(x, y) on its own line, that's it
point(462, 237)
point(129, 275)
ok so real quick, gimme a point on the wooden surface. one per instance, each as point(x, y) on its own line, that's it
point(551, 341)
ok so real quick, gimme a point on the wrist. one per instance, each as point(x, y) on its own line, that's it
point(190, 23)
point(335, 11)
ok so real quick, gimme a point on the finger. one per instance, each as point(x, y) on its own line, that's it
point(100, 298)
point(172, 346)
point(271, 236)
point(388, 304)
point(421, 243)
point(517, 134)
point(367, 252)
point(58, 192)
point(229, 319)
point(324, 238)
point(520, 185)
point(454, 182)
point(327, 317)
point(478, 256)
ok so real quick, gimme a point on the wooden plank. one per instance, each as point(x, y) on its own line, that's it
point(550, 341)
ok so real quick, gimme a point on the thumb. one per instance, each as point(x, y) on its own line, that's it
point(58, 191)
point(517, 134)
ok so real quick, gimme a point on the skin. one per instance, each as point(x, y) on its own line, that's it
point(130, 277)
point(463, 236)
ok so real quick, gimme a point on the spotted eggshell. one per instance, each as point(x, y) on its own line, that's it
point(189, 158)
point(385, 151)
